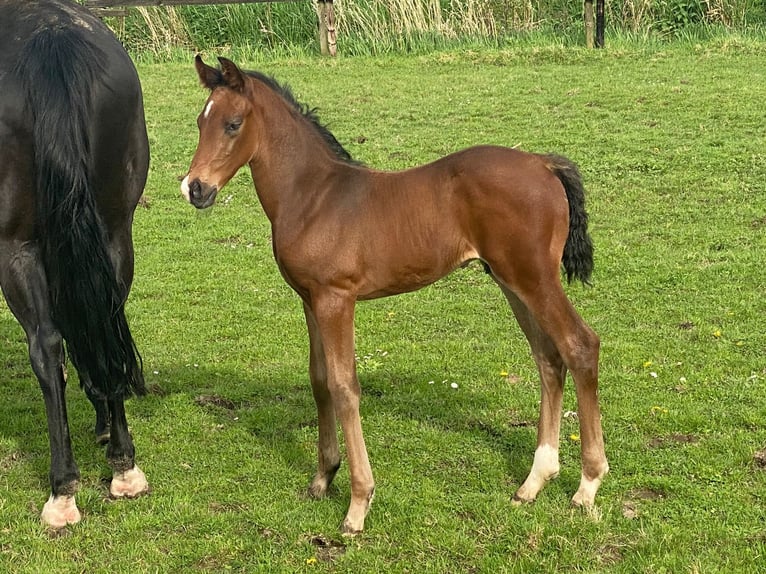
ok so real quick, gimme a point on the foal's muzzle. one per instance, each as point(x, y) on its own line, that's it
point(200, 195)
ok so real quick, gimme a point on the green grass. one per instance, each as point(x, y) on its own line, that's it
point(670, 142)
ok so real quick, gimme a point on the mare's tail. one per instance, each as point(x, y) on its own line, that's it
point(60, 69)
point(578, 250)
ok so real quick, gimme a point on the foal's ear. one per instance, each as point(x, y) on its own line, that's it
point(209, 76)
point(232, 76)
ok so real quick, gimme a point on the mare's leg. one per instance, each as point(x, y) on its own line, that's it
point(103, 422)
point(334, 314)
point(552, 374)
point(578, 346)
point(128, 481)
point(327, 446)
point(26, 291)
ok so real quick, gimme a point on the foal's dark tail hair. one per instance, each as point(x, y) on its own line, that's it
point(59, 69)
point(578, 250)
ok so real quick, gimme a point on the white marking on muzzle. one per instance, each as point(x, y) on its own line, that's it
point(185, 188)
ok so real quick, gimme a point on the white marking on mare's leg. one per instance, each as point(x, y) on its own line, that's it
point(185, 188)
point(544, 468)
point(60, 511)
point(128, 484)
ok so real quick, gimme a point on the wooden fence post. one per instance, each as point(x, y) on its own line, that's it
point(327, 37)
point(588, 16)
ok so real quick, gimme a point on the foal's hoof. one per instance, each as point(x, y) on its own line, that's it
point(519, 501)
point(129, 484)
point(347, 529)
point(60, 511)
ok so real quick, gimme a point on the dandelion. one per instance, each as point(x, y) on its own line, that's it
point(717, 333)
point(311, 561)
point(647, 364)
point(574, 437)
point(655, 410)
point(503, 373)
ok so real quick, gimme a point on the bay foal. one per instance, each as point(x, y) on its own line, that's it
point(343, 232)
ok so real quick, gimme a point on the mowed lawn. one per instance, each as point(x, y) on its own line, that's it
point(671, 145)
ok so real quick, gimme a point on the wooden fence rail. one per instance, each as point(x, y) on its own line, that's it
point(325, 13)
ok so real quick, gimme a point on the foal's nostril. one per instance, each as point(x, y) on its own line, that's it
point(195, 190)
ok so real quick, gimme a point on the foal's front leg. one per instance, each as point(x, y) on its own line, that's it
point(327, 446)
point(334, 317)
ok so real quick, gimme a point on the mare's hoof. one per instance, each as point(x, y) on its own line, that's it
point(129, 484)
point(60, 511)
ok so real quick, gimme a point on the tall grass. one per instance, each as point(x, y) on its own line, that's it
point(384, 26)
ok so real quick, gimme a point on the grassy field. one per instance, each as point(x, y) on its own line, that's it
point(670, 142)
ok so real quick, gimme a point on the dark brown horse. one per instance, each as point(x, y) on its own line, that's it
point(343, 232)
point(73, 162)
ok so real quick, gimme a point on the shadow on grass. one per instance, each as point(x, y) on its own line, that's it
point(274, 405)
point(277, 409)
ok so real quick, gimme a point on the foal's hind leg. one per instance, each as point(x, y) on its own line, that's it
point(578, 346)
point(552, 374)
point(327, 447)
point(26, 291)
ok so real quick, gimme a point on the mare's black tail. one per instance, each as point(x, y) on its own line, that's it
point(578, 250)
point(60, 70)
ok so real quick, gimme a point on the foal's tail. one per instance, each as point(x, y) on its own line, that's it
point(59, 69)
point(578, 250)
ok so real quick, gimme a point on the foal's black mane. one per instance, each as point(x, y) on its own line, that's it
point(307, 112)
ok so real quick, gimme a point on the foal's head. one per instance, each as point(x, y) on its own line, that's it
point(226, 137)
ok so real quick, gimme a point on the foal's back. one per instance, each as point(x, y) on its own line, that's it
point(407, 229)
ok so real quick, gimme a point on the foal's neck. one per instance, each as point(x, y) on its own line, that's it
point(290, 155)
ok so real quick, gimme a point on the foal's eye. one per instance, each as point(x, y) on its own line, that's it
point(233, 126)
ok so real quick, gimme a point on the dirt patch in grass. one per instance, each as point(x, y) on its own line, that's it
point(675, 438)
point(215, 401)
point(759, 458)
point(326, 549)
point(10, 460)
point(631, 505)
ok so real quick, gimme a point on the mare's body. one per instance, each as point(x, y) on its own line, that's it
point(73, 163)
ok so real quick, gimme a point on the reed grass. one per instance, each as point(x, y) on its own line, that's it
point(373, 27)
